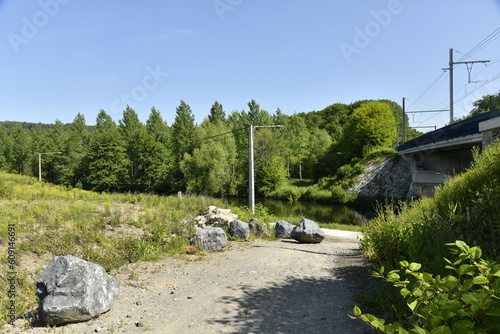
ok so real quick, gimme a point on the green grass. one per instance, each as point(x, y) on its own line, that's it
point(464, 208)
point(108, 229)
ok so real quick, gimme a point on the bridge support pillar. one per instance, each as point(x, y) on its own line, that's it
point(490, 130)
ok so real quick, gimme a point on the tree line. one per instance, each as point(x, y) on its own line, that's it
point(209, 158)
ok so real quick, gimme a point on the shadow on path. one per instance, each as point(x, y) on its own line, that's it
point(297, 305)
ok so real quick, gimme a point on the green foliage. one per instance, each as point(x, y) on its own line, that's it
point(342, 196)
point(108, 164)
point(371, 125)
point(465, 208)
point(486, 104)
point(271, 174)
point(133, 156)
point(217, 114)
point(183, 131)
point(465, 301)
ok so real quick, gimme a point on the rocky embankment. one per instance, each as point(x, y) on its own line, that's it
point(386, 178)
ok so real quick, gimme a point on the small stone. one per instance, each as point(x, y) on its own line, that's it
point(20, 323)
point(139, 302)
point(139, 324)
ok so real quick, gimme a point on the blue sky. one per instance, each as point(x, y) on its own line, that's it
point(63, 57)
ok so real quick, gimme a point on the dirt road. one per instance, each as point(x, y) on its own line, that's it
point(258, 287)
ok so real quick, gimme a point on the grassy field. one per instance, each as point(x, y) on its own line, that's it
point(40, 220)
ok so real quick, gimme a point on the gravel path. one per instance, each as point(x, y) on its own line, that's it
point(257, 287)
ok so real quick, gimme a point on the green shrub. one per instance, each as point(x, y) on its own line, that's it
point(465, 301)
point(464, 208)
point(380, 152)
point(314, 194)
point(341, 196)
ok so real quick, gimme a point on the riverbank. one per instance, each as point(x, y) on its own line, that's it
point(359, 185)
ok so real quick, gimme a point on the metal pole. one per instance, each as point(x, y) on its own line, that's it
point(251, 189)
point(451, 86)
point(40, 167)
point(404, 121)
point(251, 176)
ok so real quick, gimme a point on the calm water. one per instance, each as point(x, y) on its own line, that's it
point(320, 213)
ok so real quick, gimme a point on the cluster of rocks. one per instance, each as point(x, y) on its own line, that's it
point(215, 217)
point(74, 290)
point(214, 237)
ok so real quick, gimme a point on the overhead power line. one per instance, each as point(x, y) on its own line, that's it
point(485, 42)
point(219, 135)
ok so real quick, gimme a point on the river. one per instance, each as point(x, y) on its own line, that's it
point(318, 212)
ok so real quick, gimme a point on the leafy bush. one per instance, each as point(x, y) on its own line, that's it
point(465, 208)
point(287, 192)
point(465, 301)
point(380, 152)
point(342, 196)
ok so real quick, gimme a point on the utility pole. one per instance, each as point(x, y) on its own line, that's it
point(251, 181)
point(451, 76)
point(451, 85)
point(403, 122)
point(40, 163)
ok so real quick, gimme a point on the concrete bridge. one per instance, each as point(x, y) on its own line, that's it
point(445, 152)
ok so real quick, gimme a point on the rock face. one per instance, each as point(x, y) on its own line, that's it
point(308, 232)
point(216, 217)
point(210, 238)
point(390, 177)
point(283, 229)
point(239, 230)
point(74, 290)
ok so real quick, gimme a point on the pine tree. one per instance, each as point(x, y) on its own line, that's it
point(76, 146)
point(217, 114)
point(183, 131)
point(132, 132)
point(108, 162)
point(21, 150)
point(155, 162)
point(4, 148)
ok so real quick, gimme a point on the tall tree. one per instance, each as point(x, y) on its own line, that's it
point(258, 116)
point(76, 146)
point(108, 162)
point(54, 163)
point(4, 148)
point(155, 158)
point(21, 150)
point(132, 132)
point(183, 131)
point(158, 128)
point(270, 166)
point(217, 114)
point(183, 136)
point(371, 125)
point(212, 167)
point(295, 138)
point(486, 104)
